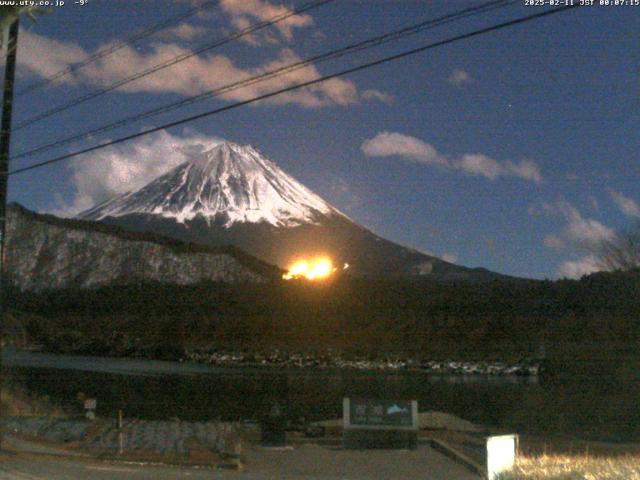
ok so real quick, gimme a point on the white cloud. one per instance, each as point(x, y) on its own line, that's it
point(373, 94)
point(459, 78)
point(189, 77)
point(390, 143)
point(113, 171)
point(45, 57)
point(525, 169)
point(183, 31)
point(386, 144)
point(586, 232)
point(627, 205)
point(450, 257)
point(478, 164)
point(578, 268)
point(579, 234)
point(244, 13)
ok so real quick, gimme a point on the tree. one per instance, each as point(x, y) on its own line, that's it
point(621, 252)
point(9, 14)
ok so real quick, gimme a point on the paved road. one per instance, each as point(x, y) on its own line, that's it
point(49, 468)
point(309, 462)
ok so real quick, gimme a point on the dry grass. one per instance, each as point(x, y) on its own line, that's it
point(14, 401)
point(575, 467)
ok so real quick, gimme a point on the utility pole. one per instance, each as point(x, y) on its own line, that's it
point(5, 140)
point(5, 136)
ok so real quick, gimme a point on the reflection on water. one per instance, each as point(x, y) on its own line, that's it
point(519, 404)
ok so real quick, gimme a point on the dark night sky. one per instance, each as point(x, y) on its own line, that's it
point(515, 150)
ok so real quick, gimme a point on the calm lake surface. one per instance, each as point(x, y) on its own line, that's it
point(597, 408)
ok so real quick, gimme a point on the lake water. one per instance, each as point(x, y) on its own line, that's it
point(163, 390)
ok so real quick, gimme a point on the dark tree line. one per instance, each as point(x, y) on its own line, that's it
point(354, 316)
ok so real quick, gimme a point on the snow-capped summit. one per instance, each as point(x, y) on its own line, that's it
point(230, 184)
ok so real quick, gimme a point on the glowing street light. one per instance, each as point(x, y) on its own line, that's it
point(317, 269)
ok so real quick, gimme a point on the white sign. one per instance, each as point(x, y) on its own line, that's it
point(501, 454)
point(90, 404)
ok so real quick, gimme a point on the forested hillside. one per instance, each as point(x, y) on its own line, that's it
point(596, 316)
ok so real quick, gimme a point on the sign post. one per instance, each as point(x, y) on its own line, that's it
point(90, 405)
point(370, 423)
point(272, 428)
point(501, 454)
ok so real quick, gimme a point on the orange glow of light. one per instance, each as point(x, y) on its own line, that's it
point(316, 269)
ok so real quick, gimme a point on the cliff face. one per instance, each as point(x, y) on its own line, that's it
point(45, 252)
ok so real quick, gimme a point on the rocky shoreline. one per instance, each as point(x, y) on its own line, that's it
point(330, 360)
point(276, 358)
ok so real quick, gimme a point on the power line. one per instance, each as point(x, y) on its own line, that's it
point(180, 58)
point(301, 85)
point(117, 46)
point(359, 46)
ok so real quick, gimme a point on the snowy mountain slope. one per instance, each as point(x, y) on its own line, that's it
point(229, 184)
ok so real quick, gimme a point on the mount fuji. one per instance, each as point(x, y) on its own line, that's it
point(233, 195)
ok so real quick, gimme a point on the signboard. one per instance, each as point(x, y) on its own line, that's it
point(381, 413)
point(501, 454)
point(376, 423)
